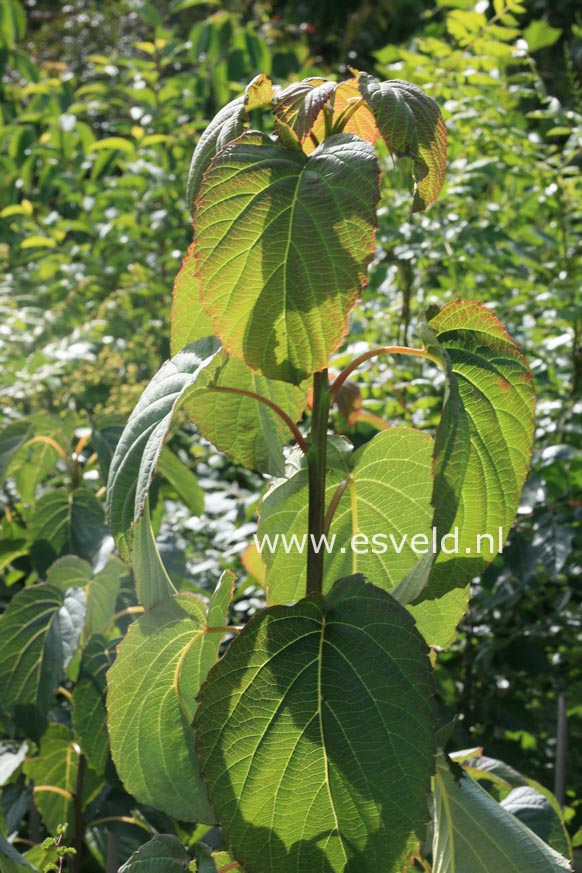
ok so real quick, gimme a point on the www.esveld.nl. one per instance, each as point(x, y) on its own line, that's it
point(381, 543)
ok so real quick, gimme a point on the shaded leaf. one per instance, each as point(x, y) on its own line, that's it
point(38, 635)
point(299, 104)
point(89, 714)
point(162, 854)
point(411, 125)
point(473, 832)
point(12, 861)
point(258, 438)
point(310, 763)
point(138, 451)
point(54, 773)
point(66, 522)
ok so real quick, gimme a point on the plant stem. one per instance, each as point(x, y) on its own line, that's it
point(78, 816)
point(374, 353)
point(316, 464)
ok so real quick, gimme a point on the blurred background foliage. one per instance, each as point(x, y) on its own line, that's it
point(101, 105)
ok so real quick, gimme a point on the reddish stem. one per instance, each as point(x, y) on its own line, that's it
point(374, 353)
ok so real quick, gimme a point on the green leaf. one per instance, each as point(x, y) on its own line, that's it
point(386, 503)
point(12, 437)
point(539, 34)
point(411, 125)
point(315, 732)
point(260, 434)
point(537, 808)
point(152, 581)
point(484, 441)
point(139, 448)
point(56, 767)
point(89, 714)
point(279, 293)
point(12, 23)
point(473, 832)
point(11, 860)
point(162, 854)
point(158, 671)
point(298, 105)
point(102, 592)
point(536, 812)
point(113, 143)
point(258, 438)
point(183, 481)
point(68, 572)
point(66, 522)
point(437, 619)
point(38, 636)
point(189, 321)
point(224, 127)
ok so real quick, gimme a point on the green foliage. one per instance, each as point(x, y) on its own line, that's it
point(94, 145)
point(473, 831)
point(308, 784)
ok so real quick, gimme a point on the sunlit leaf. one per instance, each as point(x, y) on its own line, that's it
point(158, 671)
point(276, 289)
point(484, 441)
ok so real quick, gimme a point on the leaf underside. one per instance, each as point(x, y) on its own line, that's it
point(282, 244)
point(315, 733)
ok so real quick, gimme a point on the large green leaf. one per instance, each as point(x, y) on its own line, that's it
point(315, 733)
point(39, 633)
point(189, 321)
point(474, 832)
point(386, 503)
point(411, 125)
point(138, 451)
point(66, 522)
point(251, 432)
point(228, 124)
point(484, 441)
point(282, 246)
point(162, 854)
point(154, 681)
point(89, 715)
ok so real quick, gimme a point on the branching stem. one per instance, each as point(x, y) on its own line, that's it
point(374, 353)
